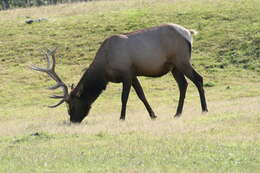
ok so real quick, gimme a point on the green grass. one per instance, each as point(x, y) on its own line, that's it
point(34, 138)
point(127, 152)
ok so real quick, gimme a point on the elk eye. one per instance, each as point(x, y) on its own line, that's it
point(70, 110)
point(68, 107)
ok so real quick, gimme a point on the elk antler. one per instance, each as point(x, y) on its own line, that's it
point(50, 70)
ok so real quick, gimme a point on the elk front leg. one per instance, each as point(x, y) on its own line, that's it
point(140, 93)
point(182, 84)
point(124, 97)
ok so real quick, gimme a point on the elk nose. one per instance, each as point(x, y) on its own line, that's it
point(75, 121)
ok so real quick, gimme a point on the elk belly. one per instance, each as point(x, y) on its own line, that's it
point(152, 69)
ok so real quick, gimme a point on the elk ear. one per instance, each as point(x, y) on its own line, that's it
point(79, 91)
point(78, 94)
point(72, 87)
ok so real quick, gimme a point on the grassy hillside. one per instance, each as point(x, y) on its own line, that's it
point(226, 52)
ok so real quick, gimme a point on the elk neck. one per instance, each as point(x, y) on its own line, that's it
point(92, 83)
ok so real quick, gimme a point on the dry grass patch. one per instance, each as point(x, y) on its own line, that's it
point(227, 116)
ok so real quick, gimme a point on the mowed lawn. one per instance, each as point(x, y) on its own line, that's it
point(34, 138)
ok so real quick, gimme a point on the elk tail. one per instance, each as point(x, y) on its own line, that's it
point(193, 32)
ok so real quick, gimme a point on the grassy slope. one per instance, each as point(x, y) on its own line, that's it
point(226, 51)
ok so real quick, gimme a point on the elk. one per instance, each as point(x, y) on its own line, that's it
point(121, 58)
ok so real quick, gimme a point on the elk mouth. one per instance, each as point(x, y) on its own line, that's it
point(75, 121)
point(78, 117)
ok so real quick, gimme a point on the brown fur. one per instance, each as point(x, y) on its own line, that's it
point(151, 52)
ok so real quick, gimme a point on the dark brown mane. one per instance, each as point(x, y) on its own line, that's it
point(91, 85)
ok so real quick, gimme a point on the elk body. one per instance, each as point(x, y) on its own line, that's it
point(151, 52)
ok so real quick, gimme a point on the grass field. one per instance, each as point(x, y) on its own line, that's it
point(34, 138)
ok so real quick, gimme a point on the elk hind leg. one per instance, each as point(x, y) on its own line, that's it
point(197, 79)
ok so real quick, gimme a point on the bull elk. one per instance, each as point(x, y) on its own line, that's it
point(151, 52)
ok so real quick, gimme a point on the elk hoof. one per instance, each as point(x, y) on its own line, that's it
point(122, 119)
point(205, 111)
point(153, 116)
point(177, 115)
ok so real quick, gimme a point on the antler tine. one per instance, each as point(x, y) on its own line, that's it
point(53, 74)
point(52, 65)
point(50, 70)
point(55, 86)
point(56, 97)
point(43, 69)
point(38, 68)
point(52, 53)
point(53, 106)
point(47, 59)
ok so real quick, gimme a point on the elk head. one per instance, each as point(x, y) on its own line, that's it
point(78, 107)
